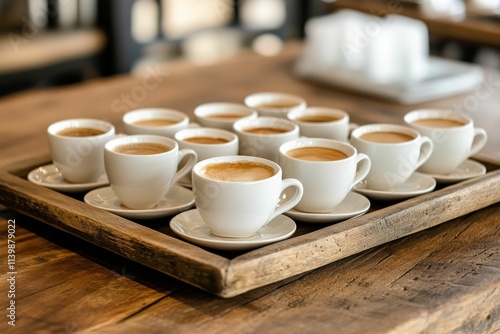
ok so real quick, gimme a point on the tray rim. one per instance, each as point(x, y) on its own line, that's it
point(250, 270)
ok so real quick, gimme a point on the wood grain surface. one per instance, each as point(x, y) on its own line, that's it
point(440, 280)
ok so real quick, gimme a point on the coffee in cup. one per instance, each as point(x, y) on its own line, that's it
point(239, 171)
point(222, 115)
point(386, 137)
point(322, 122)
point(207, 143)
point(80, 132)
point(142, 148)
point(238, 195)
point(272, 104)
point(454, 136)
point(316, 153)
point(395, 152)
point(142, 168)
point(327, 169)
point(262, 136)
point(155, 121)
point(206, 140)
point(265, 130)
point(76, 147)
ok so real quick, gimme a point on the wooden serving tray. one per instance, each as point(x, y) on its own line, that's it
point(229, 274)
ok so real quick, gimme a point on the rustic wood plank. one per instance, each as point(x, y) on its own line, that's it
point(442, 279)
point(405, 288)
point(355, 235)
point(260, 267)
point(157, 250)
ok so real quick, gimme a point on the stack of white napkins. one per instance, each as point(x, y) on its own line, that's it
point(387, 56)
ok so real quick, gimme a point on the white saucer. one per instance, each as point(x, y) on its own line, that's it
point(189, 226)
point(177, 200)
point(466, 170)
point(49, 176)
point(417, 184)
point(353, 205)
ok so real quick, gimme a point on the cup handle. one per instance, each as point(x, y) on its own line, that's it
point(480, 138)
point(292, 201)
point(426, 147)
point(188, 166)
point(364, 163)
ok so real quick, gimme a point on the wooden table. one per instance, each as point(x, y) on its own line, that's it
point(443, 279)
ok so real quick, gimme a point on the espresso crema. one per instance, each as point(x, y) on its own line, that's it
point(278, 105)
point(386, 137)
point(142, 148)
point(155, 122)
point(239, 171)
point(206, 140)
point(314, 153)
point(225, 116)
point(317, 118)
point(80, 132)
point(265, 130)
point(438, 123)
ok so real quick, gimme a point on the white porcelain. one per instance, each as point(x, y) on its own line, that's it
point(252, 204)
point(205, 151)
point(176, 200)
point(79, 159)
point(399, 53)
point(466, 170)
point(391, 163)
point(443, 78)
point(353, 205)
point(190, 226)
point(141, 181)
point(452, 146)
point(417, 184)
point(254, 100)
point(210, 114)
point(49, 176)
point(326, 183)
point(264, 145)
point(443, 8)
point(181, 121)
point(337, 129)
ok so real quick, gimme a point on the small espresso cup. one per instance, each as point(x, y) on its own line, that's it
point(155, 121)
point(238, 195)
point(207, 143)
point(76, 147)
point(395, 152)
point(327, 169)
point(262, 136)
point(142, 168)
point(271, 104)
point(454, 136)
point(222, 115)
point(322, 122)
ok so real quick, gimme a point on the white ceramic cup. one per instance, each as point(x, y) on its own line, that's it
point(271, 104)
point(264, 145)
point(236, 209)
point(179, 119)
point(205, 150)
point(79, 159)
point(140, 181)
point(322, 122)
point(452, 145)
point(222, 115)
point(391, 163)
point(326, 183)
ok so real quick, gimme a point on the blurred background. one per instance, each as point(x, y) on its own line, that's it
point(56, 42)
